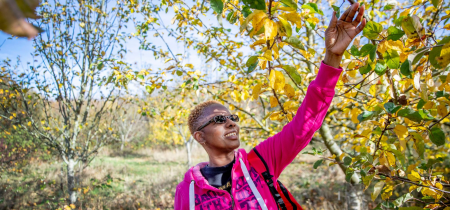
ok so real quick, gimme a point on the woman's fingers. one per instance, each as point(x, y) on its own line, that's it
point(359, 16)
point(352, 12)
point(333, 21)
point(345, 14)
point(361, 26)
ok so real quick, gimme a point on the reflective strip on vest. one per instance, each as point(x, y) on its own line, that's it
point(252, 185)
point(192, 195)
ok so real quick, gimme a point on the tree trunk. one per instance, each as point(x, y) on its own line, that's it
point(354, 198)
point(189, 151)
point(310, 42)
point(121, 146)
point(71, 181)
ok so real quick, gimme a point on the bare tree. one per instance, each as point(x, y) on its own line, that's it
point(80, 49)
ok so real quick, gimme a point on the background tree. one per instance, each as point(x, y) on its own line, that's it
point(390, 108)
point(82, 46)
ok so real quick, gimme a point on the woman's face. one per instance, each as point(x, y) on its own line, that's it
point(218, 137)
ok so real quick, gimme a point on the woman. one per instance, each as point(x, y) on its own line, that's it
point(228, 181)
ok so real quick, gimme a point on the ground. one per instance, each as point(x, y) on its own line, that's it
point(146, 179)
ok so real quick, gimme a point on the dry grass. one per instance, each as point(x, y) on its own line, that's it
point(146, 179)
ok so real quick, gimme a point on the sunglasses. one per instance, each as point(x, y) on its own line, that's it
point(220, 119)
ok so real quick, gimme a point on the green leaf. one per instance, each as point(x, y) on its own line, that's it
point(437, 136)
point(347, 160)
point(149, 89)
point(100, 66)
point(392, 58)
point(337, 10)
point(317, 163)
point(411, 208)
point(391, 108)
point(436, 3)
point(293, 74)
point(367, 48)
point(365, 69)
point(417, 55)
point(418, 142)
point(410, 114)
point(140, 76)
point(295, 42)
point(366, 115)
point(394, 33)
point(420, 104)
point(372, 30)
point(246, 11)
point(348, 174)
point(251, 60)
point(286, 25)
point(405, 69)
point(290, 3)
point(255, 4)
point(252, 67)
point(312, 8)
point(217, 6)
point(425, 114)
point(377, 189)
point(179, 73)
point(354, 51)
point(380, 67)
point(436, 52)
point(442, 94)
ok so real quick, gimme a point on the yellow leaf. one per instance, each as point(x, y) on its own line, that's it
point(401, 131)
point(355, 112)
point(373, 90)
point(273, 101)
point(275, 50)
point(258, 42)
point(289, 90)
point(442, 110)
point(413, 187)
point(72, 206)
point(428, 105)
point(389, 44)
point(262, 64)
point(414, 176)
point(266, 56)
point(276, 116)
point(294, 18)
point(271, 29)
point(444, 59)
point(377, 189)
point(191, 66)
point(383, 160)
point(277, 80)
point(256, 91)
point(390, 158)
point(258, 21)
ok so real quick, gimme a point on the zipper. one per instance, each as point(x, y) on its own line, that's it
point(232, 200)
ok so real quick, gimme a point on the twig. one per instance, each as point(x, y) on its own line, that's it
point(429, 127)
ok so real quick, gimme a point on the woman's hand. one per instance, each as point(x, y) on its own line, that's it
point(340, 33)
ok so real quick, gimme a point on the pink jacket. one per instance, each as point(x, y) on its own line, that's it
point(248, 189)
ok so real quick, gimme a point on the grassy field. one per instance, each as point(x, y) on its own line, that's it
point(146, 179)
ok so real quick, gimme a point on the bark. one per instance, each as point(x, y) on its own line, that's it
point(71, 181)
point(354, 193)
point(188, 151)
point(310, 42)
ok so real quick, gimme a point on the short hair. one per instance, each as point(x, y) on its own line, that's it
point(197, 112)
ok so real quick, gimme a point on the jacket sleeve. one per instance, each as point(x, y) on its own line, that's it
point(179, 199)
point(281, 149)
